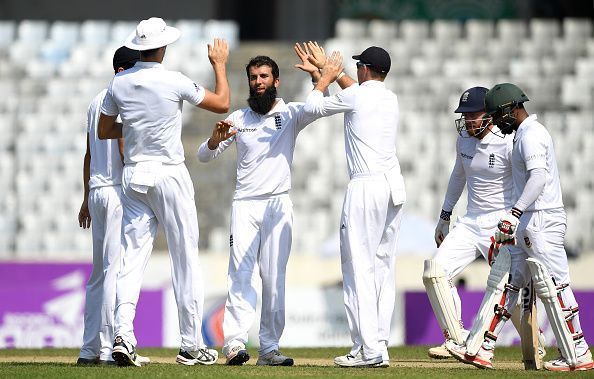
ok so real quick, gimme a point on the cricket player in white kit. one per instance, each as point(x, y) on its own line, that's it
point(262, 212)
point(372, 207)
point(537, 223)
point(483, 165)
point(102, 174)
point(157, 187)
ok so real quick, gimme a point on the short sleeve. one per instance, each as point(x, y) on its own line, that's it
point(190, 91)
point(109, 106)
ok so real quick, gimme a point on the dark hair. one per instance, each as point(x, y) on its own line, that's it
point(262, 60)
point(375, 73)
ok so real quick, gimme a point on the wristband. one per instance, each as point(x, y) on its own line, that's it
point(340, 75)
point(445, 215)
point(516, 213)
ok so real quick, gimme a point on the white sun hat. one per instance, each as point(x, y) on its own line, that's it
point(151, 34)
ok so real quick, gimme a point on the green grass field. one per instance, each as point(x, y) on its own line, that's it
point(409, 361)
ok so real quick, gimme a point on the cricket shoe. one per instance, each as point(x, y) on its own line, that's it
point(236, 356)
point(439, 352)
point(482, 359)
point(274, 358)
point(358, 360)
point(584, 362)
point(87, 361)
point(203, 356)
point(385, 359)
point(124, 353)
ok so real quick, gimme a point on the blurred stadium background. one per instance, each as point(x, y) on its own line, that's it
point(56, 55)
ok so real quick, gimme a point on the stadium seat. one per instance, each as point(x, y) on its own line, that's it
point(227, 29)
point(544, 29)
point(95, 32)
point(382, 31)
point(509, 30)
point(192, 31)
point(413, 30)
point(350, 29)
point(446, 31)
point(32, 32)
point(479, 30)
point(7, 33)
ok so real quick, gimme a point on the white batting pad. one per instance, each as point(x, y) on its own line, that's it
point(547, 292)
point(438, 289)
point(495, 285)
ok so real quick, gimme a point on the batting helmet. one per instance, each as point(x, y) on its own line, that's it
point(500, 101)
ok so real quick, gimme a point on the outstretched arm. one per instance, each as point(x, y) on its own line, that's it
point(218, 141)
point(220, 100)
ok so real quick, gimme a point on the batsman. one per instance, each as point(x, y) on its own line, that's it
point(483, 165)
point(534, 232)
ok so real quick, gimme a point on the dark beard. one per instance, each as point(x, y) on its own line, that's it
point(263, 103)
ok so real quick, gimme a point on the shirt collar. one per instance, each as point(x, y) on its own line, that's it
point(373, 83)
point(142, 64)
point(527, 121)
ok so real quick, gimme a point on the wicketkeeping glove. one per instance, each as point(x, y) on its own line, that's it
point(507, 226)
point(443, 227)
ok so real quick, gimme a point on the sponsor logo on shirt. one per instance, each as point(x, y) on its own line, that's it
point(466, 156)
point(535, 156)
point(491, 160)
point(246, 130)
point(527, 242)
point(196, 86)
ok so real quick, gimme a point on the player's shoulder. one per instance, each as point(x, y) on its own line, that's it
point(98, 99)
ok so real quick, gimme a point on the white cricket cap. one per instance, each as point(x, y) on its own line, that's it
point(151, 34)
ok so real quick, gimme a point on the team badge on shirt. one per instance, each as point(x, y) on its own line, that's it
point(491, 160)
point(277, 122)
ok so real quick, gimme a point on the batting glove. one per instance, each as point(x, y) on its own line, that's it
point(443, 227)
point(507, 226)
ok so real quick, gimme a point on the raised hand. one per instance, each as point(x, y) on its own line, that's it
point(222, 131)
point(303, 54)
point(333, 66)
point(218, 52)
point(316, 54)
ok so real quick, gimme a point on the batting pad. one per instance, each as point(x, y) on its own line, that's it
point(495, 286)
point(547, 292)
point(440, 295)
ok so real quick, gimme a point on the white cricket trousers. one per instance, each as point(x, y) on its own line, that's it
point(105, 209)
point(468, 240)
point(541, 235)
point(369, 228)
point(261, 237)
point(170, 202)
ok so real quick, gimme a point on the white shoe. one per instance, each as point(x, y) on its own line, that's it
point(439, 352)
point(201, 356)
point(236, 356)
point(385, 359)
point(359, 361)
point(274, 358)
point(143, 361)
point(584, 362)
point(482, 359)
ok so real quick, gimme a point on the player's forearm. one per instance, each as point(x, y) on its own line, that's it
point(108, 128)
point(86, 174)
point(534, 187)
point(222, 87)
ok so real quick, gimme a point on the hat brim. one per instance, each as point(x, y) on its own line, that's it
point(169, 35)
point(468, 110)
point(357, 57)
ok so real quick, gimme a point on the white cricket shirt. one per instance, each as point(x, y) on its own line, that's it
point(370, 124)
point(485, 165)
point(106, 162)
point(533, 148)
point(149, 100)
point(265, 146)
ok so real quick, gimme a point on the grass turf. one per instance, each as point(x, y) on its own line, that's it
point(408, 361)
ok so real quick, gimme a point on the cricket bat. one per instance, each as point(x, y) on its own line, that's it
point(529, 330)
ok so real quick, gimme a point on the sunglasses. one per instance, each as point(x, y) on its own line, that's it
point(361, 64)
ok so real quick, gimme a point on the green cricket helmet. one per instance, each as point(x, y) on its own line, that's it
point(500, 101)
